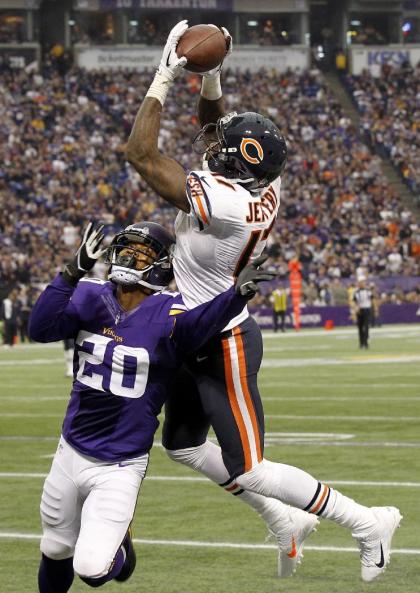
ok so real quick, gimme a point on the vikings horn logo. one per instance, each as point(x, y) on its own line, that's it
point(246, 144)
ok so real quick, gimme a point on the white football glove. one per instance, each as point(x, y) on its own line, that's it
point(229, 48)
point(170, 65)
point(90, 248)
point(86, 256)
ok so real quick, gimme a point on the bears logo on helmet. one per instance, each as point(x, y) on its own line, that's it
point(245, 144)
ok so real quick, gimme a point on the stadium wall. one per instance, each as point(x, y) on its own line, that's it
point(244, 58)
point(337, 316)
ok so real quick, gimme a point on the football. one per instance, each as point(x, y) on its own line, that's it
point(204, 46)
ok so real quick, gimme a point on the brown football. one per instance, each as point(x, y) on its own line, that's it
point(204, 46)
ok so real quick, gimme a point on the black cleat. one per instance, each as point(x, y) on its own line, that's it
point(130, 559)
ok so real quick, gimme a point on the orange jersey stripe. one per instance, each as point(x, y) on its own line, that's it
point(248, 400)
point(200, 207)
point(234, 404)
point(321, 500)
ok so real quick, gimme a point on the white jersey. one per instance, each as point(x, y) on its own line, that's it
point(227, 226)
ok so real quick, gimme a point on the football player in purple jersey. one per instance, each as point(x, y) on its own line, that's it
point(130, 336)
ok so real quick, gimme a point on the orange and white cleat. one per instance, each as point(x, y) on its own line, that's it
point(290, 539)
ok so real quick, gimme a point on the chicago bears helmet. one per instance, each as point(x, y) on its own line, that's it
point(141, 236)
point(246, 147)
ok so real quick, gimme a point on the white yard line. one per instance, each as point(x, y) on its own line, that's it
point(29, 415)
point(327, 398)
point(271, 416)
point(33, 398)
point(343, 384)
point(385, 331)
point(32, 475)
point(356, 360)
point(270, 441)
point(32, 362)
point(351, 418)
point(222, 545)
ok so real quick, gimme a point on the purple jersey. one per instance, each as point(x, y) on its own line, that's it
point(123, 361)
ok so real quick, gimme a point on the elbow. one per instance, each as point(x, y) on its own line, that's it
point(36, 332)
point(137, 155)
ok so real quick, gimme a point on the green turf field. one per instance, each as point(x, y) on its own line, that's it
point(350, 417)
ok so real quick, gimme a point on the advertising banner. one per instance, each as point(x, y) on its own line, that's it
point(135, 57)
point(372, 58)
point(20, 55)
point(154, 4)
point(337, 316)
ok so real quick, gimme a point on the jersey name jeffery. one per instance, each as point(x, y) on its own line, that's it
point(226, 227)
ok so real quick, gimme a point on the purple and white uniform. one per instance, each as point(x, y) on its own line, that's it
point(123, 361)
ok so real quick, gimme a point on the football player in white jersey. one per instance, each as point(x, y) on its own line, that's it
point(226, 213)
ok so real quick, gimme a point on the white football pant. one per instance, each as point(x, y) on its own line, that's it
point(86, 508)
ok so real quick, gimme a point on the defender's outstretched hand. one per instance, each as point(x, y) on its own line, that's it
point(87, 255)
point(247, 282)
point(170, 65)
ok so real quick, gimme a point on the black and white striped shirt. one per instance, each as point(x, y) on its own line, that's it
point(363, 298)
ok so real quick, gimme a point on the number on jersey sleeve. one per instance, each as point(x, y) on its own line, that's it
point(198, 199)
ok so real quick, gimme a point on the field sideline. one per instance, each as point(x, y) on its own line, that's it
point(350, 417)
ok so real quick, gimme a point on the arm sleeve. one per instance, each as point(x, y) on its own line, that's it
point(54, 317)
point(195, 327)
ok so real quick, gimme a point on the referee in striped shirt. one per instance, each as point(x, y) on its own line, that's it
point(362, 297)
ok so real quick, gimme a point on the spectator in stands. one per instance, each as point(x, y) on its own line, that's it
point(338, 211)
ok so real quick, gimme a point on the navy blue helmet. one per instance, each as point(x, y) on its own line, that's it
point(156, 275)
point(246, 147)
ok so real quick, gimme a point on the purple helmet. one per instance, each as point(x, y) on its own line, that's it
point(155, 276)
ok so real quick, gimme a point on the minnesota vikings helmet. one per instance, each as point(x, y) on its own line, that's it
point(245, 147)
point(150, 239)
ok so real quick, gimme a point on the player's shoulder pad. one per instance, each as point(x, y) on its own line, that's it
point(171, 302)
point(87, 287)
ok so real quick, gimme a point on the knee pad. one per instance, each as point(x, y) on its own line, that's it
point(258, 480)
point(91, 565)
point(206, 459)
point(55, 549)
point(192, 457)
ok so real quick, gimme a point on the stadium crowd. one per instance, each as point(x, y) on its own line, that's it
point(390, 114)
point(62, 163)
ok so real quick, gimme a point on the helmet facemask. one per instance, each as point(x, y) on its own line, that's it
point(138, 259)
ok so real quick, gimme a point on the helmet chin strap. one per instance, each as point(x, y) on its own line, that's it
point(127, 277)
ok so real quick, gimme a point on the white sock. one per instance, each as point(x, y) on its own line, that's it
point(295, 487)
point(207, 459)
point(347, 512)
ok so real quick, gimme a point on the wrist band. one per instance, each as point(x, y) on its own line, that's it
point(159, 88)
point(211, 88)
